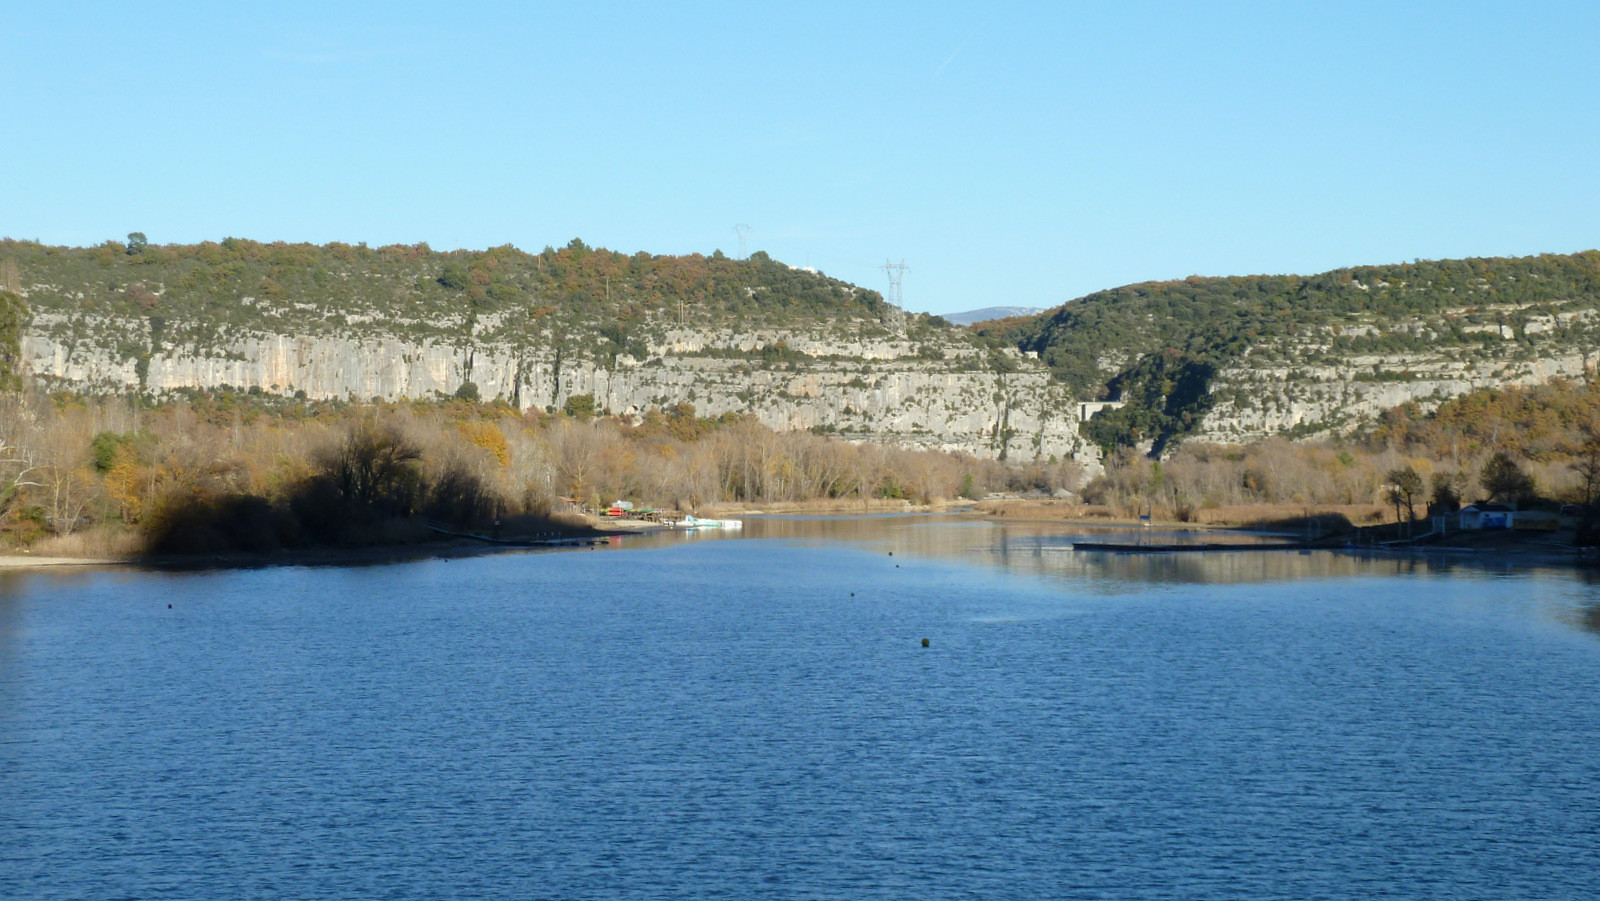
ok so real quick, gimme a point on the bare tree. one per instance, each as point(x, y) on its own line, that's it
point(577, 449)
point(19, 459)
point(1587, 466)
point(373, 465)
point(17, 472)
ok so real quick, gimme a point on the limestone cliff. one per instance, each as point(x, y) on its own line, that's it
point(1258, 399)
point(1223, 359)
point(791, 347)
point(1242, 358)
point(949, 394)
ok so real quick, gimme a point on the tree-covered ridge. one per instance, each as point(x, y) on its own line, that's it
point(1157, 345)
point(197, 294)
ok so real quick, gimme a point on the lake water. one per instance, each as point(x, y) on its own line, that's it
point(755, 717)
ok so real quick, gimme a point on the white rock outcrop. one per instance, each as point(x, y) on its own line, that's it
point(860, 389)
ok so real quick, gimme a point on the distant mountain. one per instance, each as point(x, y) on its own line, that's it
point(988, 313)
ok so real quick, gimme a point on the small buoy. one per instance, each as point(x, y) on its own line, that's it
point(891, 553)
point(897, 566)
point(169, 606)
point(852, 594)
point(924, 642)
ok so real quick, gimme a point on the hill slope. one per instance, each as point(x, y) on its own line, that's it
point(792, 348)
point(1244, 357)
point(202, 293)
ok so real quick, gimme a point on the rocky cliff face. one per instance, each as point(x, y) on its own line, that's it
point(1225, 359)
point(947, 394)
point(791, 347)
point(944, 393)
point(1238, 359)
point(1259, 398)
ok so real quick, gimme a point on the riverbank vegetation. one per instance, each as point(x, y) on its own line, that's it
point(1529, 445)
point(222, 472)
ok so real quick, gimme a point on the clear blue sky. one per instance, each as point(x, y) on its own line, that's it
point(1009, 153)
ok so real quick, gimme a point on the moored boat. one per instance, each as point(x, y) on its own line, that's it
point(692, 522)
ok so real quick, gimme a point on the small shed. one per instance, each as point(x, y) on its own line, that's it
point(1485, 516)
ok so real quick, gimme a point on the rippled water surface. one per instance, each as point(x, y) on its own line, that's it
point(756, 717)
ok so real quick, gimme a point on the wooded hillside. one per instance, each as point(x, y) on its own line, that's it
point(1159, 345)
point(193, 294)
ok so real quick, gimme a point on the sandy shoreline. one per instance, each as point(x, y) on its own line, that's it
point(23, 561)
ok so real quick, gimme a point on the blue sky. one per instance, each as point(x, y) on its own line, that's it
point(1010, 153)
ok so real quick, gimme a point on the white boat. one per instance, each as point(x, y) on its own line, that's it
point(690, 522)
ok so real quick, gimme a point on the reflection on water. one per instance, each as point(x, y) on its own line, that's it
point(1045, 549)
point(1585, 616)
